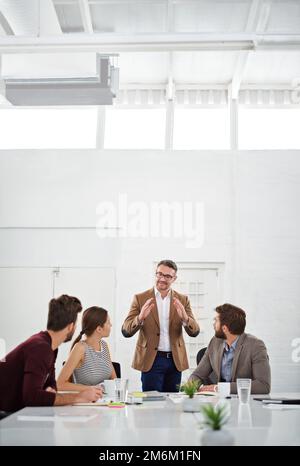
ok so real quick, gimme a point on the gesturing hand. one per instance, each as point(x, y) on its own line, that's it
point(208, 388)
point(50, 389)
point(180, 310)
point(146, 309)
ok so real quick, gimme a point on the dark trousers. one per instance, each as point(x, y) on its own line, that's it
point(163, 375)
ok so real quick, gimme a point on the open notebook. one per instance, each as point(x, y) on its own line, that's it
point(96, 403)
point(284, 401)
point(105, 401)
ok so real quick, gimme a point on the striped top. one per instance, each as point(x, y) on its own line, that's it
point(96, 366)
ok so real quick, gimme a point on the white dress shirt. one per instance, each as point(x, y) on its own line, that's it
point(163, 307)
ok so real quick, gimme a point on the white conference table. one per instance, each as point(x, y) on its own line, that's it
point(154, 423)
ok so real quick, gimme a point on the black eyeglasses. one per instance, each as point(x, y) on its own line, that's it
point(165, 275)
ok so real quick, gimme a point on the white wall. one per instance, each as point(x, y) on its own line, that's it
point(251, 224)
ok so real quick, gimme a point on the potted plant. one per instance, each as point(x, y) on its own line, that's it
point(190, 404)
point(214, 418)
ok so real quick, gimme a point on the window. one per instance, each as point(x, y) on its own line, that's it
point(201, 128)
point(266, 128)
point(135, 128)
point(48, 128)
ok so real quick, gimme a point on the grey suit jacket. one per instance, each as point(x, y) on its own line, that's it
point(250, 361)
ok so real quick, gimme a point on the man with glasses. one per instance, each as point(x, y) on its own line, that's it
point(159, 314)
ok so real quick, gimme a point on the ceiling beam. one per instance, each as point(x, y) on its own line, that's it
point(5, 26)
point(22, 16)
point(29, 18)
point(255, 11)
point(257, 20)
point(49, 22)
point(238, 74)
point(86, 16)
point(264, 16)
point(108, 43)
point(114, 2)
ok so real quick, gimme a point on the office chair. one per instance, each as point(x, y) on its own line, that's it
point(4, 414)
point(200, 354)
point(117, 367)
point(212, 379)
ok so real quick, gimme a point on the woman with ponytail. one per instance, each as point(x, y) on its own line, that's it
point(89, 362)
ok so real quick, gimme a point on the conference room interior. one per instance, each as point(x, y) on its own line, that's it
point(133, 131)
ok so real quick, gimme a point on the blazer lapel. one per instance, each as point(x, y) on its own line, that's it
point(173, 311)
point(237, 353)
point(219, 359)
point(154, 313)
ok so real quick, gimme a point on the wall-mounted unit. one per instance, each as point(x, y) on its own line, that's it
point(99, 90)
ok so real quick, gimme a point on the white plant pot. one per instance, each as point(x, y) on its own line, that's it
point(214, 438)
point(190, 405)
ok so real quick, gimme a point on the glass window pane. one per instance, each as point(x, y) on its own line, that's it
point(48, 128)
point(266, 128)
point(201, 128)
point(134, 128)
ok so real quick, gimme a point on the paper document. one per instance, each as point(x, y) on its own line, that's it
point(61, 418)
point(105, 401)
point(178, 398)
point(280, 407)
point(96, 403)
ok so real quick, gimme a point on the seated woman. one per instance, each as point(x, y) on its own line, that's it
point(89, 362)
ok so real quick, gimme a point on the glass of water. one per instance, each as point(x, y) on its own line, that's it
point(244, 390)
point(121, 389)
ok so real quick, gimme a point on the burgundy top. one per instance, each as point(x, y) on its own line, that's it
point(26, 372)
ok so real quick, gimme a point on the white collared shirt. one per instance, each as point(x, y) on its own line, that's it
point(163, 307)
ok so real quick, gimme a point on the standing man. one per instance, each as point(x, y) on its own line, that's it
point(159, 315)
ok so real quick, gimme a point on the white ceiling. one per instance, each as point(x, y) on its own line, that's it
point(187, 15)
point(65, 20)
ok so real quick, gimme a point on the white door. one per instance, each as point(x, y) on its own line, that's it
point(202, 283)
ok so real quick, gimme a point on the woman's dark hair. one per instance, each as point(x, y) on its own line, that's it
point(62, 312)
point(233, 317)
point(91, 319)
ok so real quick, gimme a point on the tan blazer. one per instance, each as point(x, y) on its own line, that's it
point(250, 361)
point(148, 340)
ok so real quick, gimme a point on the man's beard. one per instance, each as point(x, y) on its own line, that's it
point(220, 334)
point(69, 336)
point(159, 284)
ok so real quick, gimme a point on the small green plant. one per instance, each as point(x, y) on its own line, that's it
point(215, 416)
point(190, 387)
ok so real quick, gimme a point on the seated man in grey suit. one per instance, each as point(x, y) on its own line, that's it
point(233, 354)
